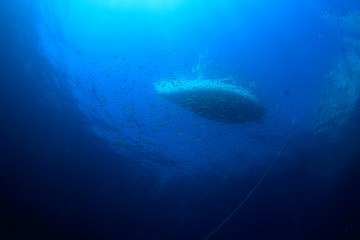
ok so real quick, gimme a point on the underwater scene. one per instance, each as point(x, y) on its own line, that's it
point(179, 119)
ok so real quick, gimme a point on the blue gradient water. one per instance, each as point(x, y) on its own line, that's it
point(89, 150)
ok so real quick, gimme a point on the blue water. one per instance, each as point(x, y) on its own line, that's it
point(89, 150)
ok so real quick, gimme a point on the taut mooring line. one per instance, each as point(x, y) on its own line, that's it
point(256, 185)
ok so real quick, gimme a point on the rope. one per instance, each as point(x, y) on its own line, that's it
point(256, 185)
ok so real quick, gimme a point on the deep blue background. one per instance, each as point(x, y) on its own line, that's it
point(61, 180)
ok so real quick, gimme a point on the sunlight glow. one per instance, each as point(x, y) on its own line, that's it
point(141, 4)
